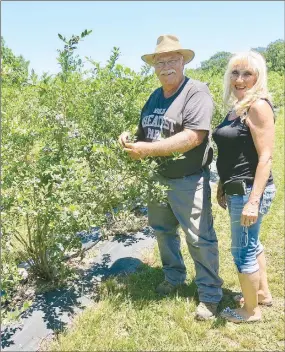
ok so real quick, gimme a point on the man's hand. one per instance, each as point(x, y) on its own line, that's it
point(138, 150)
point(221, 198)
point(124, 137)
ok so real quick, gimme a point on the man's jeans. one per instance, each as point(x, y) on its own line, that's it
point(189, 204)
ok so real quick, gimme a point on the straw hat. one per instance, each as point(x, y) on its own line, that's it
point(169, 43)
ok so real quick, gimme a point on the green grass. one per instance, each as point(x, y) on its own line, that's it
point(130, 317)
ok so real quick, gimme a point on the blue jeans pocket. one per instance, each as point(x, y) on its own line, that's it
point(239, 237)
point(244, 237)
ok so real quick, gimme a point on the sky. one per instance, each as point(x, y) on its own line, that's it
point(30, 28)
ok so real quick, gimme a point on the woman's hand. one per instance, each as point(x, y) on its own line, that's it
point(221, 198)
point(249, 213)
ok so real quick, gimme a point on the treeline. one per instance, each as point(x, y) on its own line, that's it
point(15, 68)
point(274, 55)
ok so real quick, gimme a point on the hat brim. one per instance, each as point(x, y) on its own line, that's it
point(188, 55)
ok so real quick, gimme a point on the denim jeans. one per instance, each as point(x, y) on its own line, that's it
point(189, 204)
point(246, 245)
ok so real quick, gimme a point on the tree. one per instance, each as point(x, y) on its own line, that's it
point(259, 49)
point(217, 62)
point(274, 55)
point(14, 68)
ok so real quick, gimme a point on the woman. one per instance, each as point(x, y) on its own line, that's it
point(245, 142)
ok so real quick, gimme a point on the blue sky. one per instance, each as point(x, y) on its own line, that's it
point(30, 28)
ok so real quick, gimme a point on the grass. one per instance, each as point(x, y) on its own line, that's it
point(129, 316)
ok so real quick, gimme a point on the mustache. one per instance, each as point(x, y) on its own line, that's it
point(167, 72)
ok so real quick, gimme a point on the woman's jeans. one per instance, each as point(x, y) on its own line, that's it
point(246, 245)
point(188, 204)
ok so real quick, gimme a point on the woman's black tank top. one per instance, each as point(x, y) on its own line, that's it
point(237, 155)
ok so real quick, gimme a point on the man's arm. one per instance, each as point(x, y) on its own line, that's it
point(180, 142)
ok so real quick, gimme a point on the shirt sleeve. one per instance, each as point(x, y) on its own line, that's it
point(140, 133)
point(198, 112)
point(140, 136)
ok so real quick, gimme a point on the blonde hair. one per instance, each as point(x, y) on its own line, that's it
point(252, 60)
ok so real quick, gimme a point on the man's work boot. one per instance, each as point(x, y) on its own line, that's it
point(206, 311)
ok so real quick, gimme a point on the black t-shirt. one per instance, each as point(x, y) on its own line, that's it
point(237, 155)
point(190, 108)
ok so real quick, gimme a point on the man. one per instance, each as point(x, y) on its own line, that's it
point(177, 118)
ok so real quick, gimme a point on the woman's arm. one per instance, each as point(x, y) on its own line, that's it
point(261, 123)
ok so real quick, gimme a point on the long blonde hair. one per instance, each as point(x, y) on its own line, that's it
point(256, 62)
